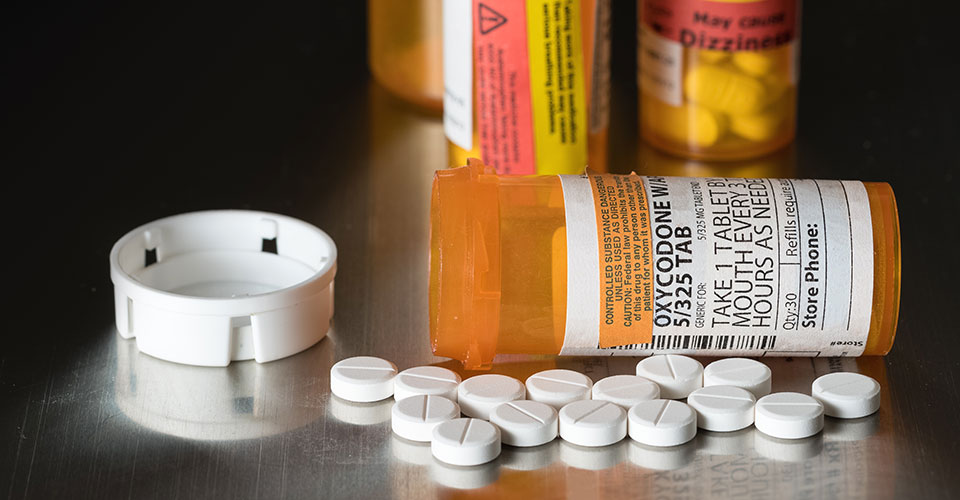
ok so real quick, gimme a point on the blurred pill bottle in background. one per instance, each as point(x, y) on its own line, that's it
point(718, 78)
point(527, 84)
point(405, 49)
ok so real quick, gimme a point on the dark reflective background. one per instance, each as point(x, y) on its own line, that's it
point(114, 116)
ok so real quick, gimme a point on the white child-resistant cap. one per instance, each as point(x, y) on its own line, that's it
point(206, 288)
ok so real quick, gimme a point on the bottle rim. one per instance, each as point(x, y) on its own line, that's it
point(465, 264)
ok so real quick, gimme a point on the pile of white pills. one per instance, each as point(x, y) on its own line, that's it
point(728, 395)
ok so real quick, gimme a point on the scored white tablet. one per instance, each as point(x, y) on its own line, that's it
point(415, 417)
point(662, 422)
point(558, 387)
point(593, 423)
point(525, 423)
point(465, 441)
point(789, 415)
point(362, 379)
point(479, 395)
point(847, 394)
point(722, 408)
point(749, 374)
point(676, 375)
point(625, 390)
point(432, 380)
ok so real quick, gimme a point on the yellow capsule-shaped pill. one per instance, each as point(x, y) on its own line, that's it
point(754, 63)
point(759, 127)
point(687, 124)
point(725, 90)
point(710, 56)
point(777, 85)
point(762, 126)
point(765, 62)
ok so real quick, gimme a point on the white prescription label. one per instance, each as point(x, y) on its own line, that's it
point(458, 72)
point(717, 266)
point(660, 66)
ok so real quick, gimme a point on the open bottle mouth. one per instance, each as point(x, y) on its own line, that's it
point(886, 277)
point(465, 264)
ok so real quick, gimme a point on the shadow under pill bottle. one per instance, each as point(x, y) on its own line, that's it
point(527, 84)
point(718, 78)
point(603, 264)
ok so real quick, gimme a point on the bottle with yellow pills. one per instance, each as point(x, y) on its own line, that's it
point(718, 78)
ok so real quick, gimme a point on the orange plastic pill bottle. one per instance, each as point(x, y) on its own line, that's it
point(718, 78)
point(603, 264)
point(405, 49)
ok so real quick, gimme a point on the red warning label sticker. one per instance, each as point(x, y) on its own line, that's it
point(725, 26)
point(489, 19)
point(504, 123)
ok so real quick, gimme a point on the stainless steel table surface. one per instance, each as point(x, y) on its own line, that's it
point(157, 125)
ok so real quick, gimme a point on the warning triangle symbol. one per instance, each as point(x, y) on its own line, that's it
point(489, 19)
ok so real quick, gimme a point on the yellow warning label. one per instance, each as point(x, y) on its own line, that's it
point(557, 87)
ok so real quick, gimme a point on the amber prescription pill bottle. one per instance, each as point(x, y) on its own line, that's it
point(405, 49)
point(604, 264)
point(527, 83)
point(718, 78)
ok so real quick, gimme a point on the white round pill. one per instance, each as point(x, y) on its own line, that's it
point(847, 394)
point(626, 390)
point(479, 395)
point(749, 374)
point(789, 415)
point(362, 379)
point(662, 422)
point(415, 417)
point(722, 408)
point(432, 380)
point(465, 441)
point(676, 375)
point(558, 387)
point(592, 423)
point(525, 423)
